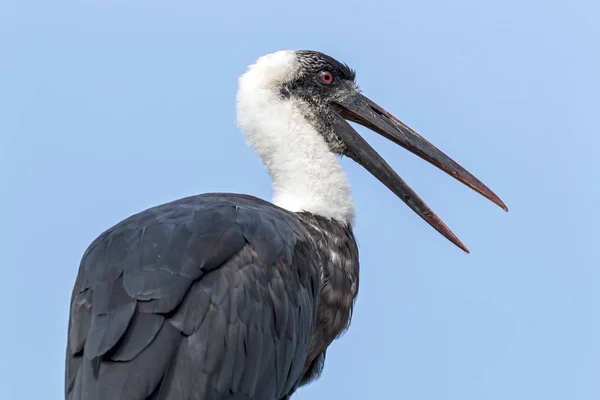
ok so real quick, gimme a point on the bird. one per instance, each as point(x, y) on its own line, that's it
point(226, 296)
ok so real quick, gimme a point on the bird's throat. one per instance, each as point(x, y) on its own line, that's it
point(306, 175)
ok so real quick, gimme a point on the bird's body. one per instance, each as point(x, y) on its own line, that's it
point(229, 297)
point(209, 297)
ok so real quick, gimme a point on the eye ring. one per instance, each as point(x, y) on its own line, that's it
point(326, 77)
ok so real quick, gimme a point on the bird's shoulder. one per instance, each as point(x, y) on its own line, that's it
point(206, 213)
point(182, 239)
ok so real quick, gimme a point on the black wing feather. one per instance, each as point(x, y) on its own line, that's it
point(209, 297)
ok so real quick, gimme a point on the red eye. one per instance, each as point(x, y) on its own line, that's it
point(326, 77)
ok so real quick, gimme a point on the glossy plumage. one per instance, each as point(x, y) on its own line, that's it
point(216, 296)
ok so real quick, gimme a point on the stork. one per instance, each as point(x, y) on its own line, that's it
point(225, 296)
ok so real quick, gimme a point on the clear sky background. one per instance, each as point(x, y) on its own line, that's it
point(109, 107)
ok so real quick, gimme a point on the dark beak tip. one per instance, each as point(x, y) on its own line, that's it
point(496, 200)
point(460, 245)
point(487, 193)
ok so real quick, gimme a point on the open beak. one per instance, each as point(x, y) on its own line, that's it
point(360, 109)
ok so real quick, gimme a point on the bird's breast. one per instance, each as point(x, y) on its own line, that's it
point(339, 286)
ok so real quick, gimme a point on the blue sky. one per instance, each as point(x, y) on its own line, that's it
point(108, 108)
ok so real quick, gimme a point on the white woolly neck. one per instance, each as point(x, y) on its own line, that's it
point(305, 174)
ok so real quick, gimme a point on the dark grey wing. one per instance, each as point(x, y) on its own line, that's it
point(210, 297)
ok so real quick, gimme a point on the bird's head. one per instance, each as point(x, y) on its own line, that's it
point(311, 87)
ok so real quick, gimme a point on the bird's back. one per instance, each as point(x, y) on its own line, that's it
point(208, 297)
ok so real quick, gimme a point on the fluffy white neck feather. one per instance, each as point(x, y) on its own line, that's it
point(306, 175)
